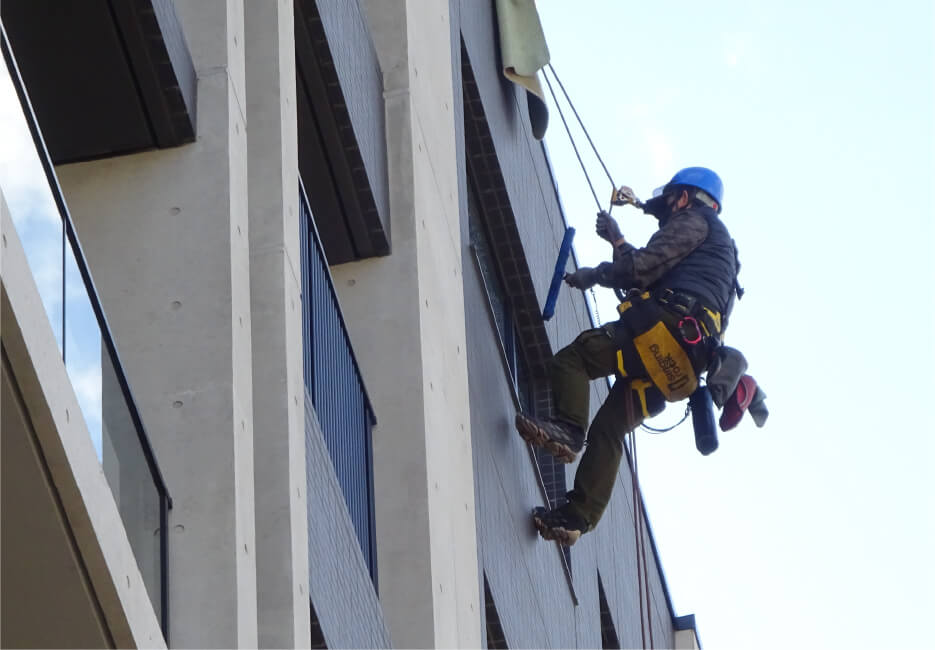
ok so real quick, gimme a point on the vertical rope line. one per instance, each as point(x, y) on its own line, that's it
point(64, 295)
point(640, 547)
point(580, 122)
point(649, 611)
point(571, 139)
point(636, 513)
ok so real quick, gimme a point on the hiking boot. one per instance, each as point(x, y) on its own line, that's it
point(561, 525)
point(561, 439)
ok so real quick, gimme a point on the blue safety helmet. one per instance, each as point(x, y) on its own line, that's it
point(699, 177)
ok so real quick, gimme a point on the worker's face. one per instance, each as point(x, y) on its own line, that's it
point(666, 205)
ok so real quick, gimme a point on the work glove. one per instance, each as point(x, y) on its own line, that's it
point(607, 227)
point(584, 278)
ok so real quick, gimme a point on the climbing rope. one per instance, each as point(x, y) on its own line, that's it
point(571, 138)
point(643, 586)
point(649, 429)
point(584, 169)
point(584, 129)
point(642, 573)
point(587, 177)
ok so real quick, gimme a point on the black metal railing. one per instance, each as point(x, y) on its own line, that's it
point(334, 383)
point(45, 228)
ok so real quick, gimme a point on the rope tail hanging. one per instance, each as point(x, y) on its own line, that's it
point(642, 574)
point(547, 71)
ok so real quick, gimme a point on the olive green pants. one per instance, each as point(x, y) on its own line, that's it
point(592, 355)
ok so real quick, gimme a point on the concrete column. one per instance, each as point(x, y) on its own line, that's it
point(276, 318)
point(405, 313)
point(686, 640)
point(166, 236)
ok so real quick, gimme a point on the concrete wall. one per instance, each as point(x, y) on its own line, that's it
point(167, 238)
point(69, 576)
point(406, 319)
point(194, 251)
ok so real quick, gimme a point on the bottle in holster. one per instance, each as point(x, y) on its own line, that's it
point(702, 408)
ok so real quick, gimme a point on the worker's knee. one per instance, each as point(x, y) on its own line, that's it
point(607, 432)
point(568, 355)
point(572, 357)
point(593, 351)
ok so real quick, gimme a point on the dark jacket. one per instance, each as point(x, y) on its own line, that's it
point(692, 251)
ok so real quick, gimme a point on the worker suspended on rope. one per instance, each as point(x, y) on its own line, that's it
point(680, 290)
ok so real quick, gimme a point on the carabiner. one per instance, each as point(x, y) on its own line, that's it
point(694, 323)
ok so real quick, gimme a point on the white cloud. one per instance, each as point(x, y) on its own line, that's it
point(87, 383)
point(88, 389)
point(22, 179)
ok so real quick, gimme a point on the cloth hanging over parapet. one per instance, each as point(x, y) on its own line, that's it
point(524, 52)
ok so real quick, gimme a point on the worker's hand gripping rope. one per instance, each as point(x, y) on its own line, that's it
point(607, 228)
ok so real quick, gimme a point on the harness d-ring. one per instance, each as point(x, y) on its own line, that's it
point(694, 323)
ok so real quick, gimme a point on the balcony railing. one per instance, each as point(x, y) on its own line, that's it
point(44, 226)
point(333, 381)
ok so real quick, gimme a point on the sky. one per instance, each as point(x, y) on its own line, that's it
point(39, 226)
point(816, 530)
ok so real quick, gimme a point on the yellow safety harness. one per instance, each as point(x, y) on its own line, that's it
point(658, 352)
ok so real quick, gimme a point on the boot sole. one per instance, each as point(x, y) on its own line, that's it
point(534, 435)
point(560, 535)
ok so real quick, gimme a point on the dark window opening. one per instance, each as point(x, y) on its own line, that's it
point(608, 631)
point(335, 386)
point(500, 304)
point(531, 396)
point(495, 637)
point(553, 475)
point(318, 638)
point(498, 249)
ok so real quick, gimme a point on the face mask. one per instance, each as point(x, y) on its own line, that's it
point(658, 206)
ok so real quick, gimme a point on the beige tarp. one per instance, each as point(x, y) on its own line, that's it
point(522, 44)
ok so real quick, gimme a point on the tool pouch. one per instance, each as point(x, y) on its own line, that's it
point(650, 348)
point(666, 362)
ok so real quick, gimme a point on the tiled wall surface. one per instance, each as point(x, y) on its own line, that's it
point(525, 574)
point(339, 584)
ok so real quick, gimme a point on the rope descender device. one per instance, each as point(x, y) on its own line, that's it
point(625, 196)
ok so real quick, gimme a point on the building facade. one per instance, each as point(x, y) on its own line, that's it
point(273, 275)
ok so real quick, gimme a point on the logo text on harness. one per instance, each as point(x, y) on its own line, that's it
point(670, 367)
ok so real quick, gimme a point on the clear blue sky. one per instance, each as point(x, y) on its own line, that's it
point(817, 530)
